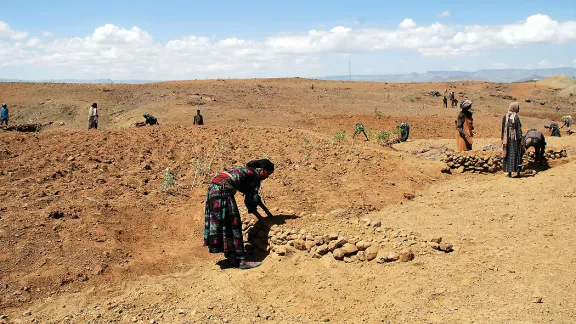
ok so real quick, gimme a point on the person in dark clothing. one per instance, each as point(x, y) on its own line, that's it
point(464, 127)
point(535, 139)
point(151, 120)
point(445, 101)
point(511, 140)
point(554, 129)
point(404, 131)
point(198, 119)
point(222, 222)
point(359, 128)
point(4, 115)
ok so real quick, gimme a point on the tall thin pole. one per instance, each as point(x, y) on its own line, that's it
point(349, 70)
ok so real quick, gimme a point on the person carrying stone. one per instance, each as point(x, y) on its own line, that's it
point(93, 116)
point(567, 121)
point(512, 141)
point(464, 127)
point(198, 119)
point(222, 222)
point(4, 115)
point(359, 128)
point(150, 120)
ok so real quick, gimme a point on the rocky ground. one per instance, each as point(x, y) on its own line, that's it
point(106, 226)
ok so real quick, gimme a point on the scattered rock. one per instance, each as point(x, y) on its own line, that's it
point(299, 244)
point(436, 240)
point(376, 223)
point(446, 247)
point(406, 255)
point(361, 255)
point(27, 313)
point(338, 254)
point(349, 248)
point(280, 250)
point(371, 253)
point(433, 245)
point(363, 245)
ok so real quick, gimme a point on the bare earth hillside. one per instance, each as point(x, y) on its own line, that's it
point(93, 229)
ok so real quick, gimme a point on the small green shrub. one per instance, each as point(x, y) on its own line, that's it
point(383, 137)
point(377, 112)
point(339, 137)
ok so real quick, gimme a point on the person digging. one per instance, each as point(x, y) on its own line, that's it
point(222, 221)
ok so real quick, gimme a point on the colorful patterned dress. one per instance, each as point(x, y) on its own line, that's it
point(222, 222)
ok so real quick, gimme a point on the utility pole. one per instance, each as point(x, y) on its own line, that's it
point(349, 70)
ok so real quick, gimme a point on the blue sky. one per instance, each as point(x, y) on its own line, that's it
point(188, 40)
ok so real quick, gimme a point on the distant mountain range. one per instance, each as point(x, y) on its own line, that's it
point(95, 81)
point(497, 75)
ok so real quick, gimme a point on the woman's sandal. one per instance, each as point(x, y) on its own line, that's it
point(249, 265)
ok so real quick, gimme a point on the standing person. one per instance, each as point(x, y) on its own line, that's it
point(359, 128)
point(512, 140)
point(464, 127)
point(198, 119)
point(451, 97)
point(568, 121)
point(222, 222)
point(4, 115)
point(93, 116)
point(445, 101)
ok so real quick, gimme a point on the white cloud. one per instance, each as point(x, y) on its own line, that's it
point(118, 52)
point(544, 64)
point(6, 31)
point(445, 14)
point(407, 23)
point(47, 34)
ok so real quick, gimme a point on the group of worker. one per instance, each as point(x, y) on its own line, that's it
point(149, 120)
point(453, 100)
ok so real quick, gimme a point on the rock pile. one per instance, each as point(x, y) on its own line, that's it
point(387, 246)
point(551, 154)
point(461, 163)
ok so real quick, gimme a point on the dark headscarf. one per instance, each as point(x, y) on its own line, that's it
point(95, 105)
point(264, 164)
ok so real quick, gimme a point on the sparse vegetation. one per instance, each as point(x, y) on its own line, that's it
point(339, 137)
point(377, 112)
point(383, 137)
point(169, 180)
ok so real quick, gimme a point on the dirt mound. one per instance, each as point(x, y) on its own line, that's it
point(105, 206)
point(557, 82)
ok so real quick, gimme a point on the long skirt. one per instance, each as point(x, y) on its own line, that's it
point(513, 158)
point(222, 223)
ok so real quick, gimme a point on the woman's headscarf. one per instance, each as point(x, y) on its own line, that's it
point(264, 164)
point(466, 104)
point(513, 110)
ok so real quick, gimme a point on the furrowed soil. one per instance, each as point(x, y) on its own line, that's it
point(106, 226)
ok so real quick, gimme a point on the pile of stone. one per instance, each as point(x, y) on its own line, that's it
point(552, 154)
point(283, 240)
point(460, 163)
point(434, 93)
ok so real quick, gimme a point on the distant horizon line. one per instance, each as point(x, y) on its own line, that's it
point(324, 78)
